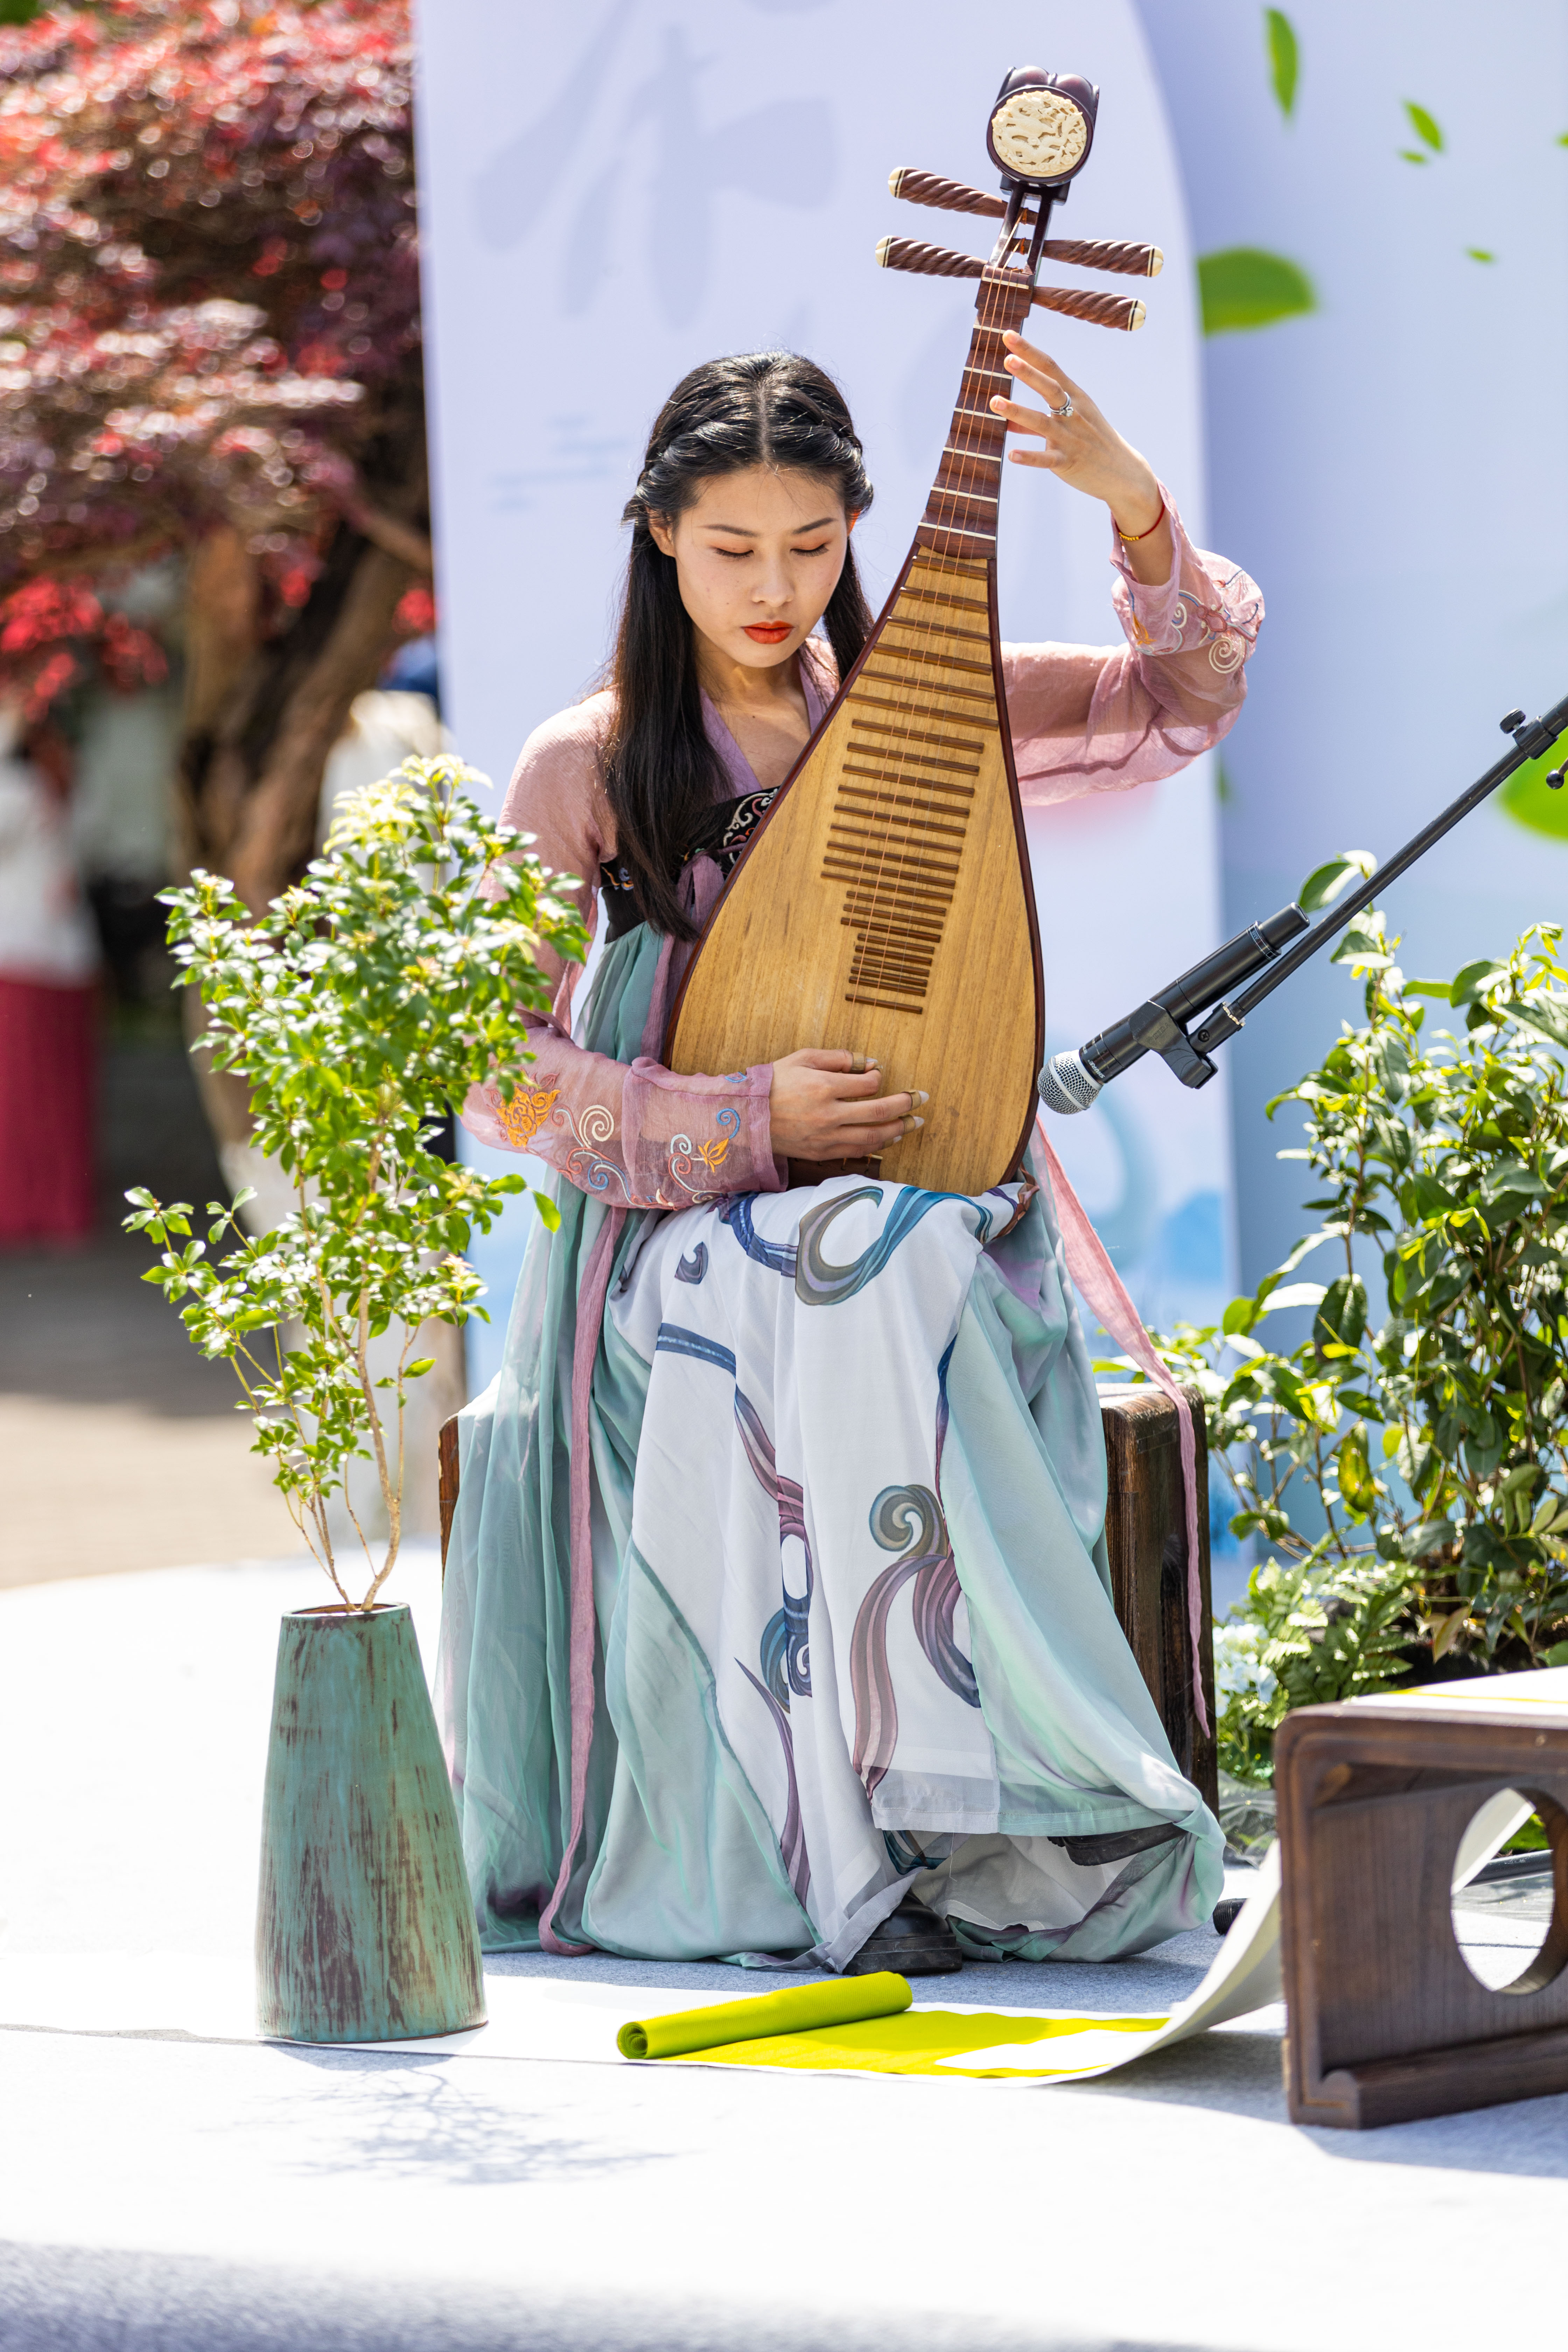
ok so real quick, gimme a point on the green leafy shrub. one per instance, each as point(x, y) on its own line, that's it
point(1413, 1477)
point(365, 1001)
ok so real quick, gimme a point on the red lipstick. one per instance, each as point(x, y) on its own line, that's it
point(769, 633)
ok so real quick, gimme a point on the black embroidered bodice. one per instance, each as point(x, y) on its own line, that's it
point(723, 835)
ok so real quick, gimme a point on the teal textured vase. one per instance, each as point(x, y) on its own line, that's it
point(364, 1928)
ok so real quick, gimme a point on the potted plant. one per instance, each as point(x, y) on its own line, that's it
point(366, 999)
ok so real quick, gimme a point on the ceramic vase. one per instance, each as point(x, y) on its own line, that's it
point(364, 1928)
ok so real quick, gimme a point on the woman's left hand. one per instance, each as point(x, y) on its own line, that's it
point(1088, 455)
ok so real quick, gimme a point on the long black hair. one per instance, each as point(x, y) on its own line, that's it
point(768, 408)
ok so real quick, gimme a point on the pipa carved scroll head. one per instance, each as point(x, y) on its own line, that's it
point(1042, 127)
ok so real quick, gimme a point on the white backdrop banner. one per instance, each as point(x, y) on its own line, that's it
point(614, 193)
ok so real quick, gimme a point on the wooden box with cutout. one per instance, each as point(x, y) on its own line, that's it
point(1386, 2020)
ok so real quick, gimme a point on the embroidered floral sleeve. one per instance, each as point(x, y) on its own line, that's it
point(1090, 719)
point(638, 1136)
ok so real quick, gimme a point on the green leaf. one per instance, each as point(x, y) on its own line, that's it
point(1422, 124)
point(1295, 1293)
point(1341, 1317)
point(1360, 944)
point(1548, 1021)
point(1507, 1182)
point(1358, 1488)
point(1325, 882)
point(1480, 253)
point(417, 1370)
point(1468, 982)
point(1284, 58)
point(1430, 1199)
point(1243, 288)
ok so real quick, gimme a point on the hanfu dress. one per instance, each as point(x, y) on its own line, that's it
point(777, 1585)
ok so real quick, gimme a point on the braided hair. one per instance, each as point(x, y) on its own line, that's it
point(661, 773)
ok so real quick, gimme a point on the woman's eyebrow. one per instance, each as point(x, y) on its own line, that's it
point(799, 530)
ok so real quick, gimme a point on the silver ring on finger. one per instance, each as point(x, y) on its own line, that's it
point(1065, 409)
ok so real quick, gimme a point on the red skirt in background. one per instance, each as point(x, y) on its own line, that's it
point(47, 1061)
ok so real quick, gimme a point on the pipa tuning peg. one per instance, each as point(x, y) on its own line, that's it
point(938, 261)
point(925, 261)
point(1096, 309)
point(947, 195)
point(1127, 260)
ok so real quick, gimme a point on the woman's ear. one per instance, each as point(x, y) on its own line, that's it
point(662, 536)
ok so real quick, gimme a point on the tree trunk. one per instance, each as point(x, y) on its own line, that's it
point(262, 714)
point(260, 722)
point(260, 725)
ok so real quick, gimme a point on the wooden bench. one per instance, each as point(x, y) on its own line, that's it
point(1146, 1538)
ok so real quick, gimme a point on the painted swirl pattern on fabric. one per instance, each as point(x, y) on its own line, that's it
point(819, 1283)
point(786, 1651)
point(908, 1519)
point(792, 1836)
point(785, 1645)
point(777, 1256)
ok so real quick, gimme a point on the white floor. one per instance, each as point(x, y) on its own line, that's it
point(167, 2182)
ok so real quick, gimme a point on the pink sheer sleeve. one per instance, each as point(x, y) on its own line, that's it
point(638, 1136)
point(1088, 718)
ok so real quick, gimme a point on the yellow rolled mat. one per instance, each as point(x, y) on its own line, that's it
point(836, 2001)
point(955, 2042)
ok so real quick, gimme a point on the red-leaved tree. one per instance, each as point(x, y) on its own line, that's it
point(209, 344)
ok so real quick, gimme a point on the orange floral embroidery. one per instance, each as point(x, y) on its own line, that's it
point(712, 1154)
point(521, 1119)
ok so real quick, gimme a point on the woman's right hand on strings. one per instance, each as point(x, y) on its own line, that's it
point(826, 1106)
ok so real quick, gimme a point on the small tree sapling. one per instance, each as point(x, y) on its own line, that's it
point(366, 999)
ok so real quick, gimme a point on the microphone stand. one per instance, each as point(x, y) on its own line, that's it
point(1070, 1082)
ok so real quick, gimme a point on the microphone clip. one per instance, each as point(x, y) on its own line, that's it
point(1152, 1029)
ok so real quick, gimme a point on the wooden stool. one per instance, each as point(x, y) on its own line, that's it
point(1386, 2020)
point(1146, 1539)
point(1146, 1544)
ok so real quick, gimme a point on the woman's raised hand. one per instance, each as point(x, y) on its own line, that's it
point(824, 1105)
point(1086, 451)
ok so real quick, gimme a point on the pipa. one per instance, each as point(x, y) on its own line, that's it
point(884, 904)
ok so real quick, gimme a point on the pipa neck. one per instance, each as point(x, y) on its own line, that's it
point(960, 512)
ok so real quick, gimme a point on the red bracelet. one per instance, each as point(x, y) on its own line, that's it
point(1131, 539)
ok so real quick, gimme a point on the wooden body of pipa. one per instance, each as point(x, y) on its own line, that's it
point(884, 904)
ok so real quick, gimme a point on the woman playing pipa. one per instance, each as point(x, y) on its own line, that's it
point(777, 1617)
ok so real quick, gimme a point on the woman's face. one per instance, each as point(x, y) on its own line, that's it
point(757, 556)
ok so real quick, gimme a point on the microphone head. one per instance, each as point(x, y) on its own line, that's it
point(1066, 1085)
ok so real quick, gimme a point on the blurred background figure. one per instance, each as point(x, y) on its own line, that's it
point(48, 962)
point(396, 720)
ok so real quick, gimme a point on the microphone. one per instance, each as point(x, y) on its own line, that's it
point(1071, 1082)
point(1067, 1085)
